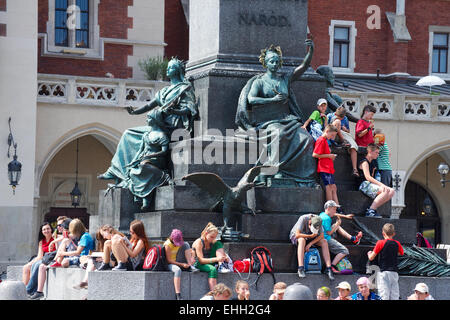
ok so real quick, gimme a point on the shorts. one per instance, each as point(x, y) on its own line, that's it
point(327, 178)
point(369, 189)
point(336, 247)
point(73, 261)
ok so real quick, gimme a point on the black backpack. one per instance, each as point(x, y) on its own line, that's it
point(261, 261)
point(155, 260)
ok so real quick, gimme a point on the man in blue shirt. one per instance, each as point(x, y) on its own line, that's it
point(330, 229)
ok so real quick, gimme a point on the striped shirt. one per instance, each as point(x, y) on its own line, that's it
point(383, 158)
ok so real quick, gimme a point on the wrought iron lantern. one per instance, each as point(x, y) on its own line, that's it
point(14, 167)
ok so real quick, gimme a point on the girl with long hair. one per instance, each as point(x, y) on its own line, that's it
point(130, 253)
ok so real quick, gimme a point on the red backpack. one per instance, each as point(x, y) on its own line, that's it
point(261, 261)
point(155, 260)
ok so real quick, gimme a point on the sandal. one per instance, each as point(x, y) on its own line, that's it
point(355, 173)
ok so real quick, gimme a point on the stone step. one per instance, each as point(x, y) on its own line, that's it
point(264, 227)
point(268, 200)
point(147, 285)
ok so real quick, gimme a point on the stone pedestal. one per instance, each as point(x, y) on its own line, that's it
point(116, 207)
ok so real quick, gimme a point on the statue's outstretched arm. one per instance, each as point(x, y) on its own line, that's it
point(306, 61)
point(152, 104)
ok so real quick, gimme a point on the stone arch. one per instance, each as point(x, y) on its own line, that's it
point(109, 137)
point(442, 146)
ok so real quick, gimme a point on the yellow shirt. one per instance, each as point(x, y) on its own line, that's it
point(173, 250)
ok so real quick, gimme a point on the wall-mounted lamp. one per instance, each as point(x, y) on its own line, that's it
point(443, 171)
point(14, 167)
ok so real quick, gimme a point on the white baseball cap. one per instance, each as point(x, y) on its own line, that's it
point(321, 101)
point(421, 287)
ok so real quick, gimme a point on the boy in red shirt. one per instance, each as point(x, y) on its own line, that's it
point(387, 251)
point(325, 165)
point(364, 127)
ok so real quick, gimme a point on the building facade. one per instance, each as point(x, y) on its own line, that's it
point(68, 69)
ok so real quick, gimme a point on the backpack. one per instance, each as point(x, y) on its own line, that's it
point(260, 262)
point(345, 266)
point(312, 261)
point(155, 260)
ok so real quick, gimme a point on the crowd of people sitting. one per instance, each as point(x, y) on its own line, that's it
point(71, 245)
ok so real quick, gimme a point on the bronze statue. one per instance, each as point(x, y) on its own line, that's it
point(228, 199)
point(268, 105)
point(172, 108)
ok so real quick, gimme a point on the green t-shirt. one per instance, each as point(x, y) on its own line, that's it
point(316, 116)
point(383, 158)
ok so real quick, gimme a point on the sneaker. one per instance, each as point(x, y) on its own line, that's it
point(104, 266)
point(371, 213)
point(178, 296)
point(336, 271)
point(193, 269)
point(81, 285)
point(301, 272)
point(357, 239)
point(330, 274)
point(120, 267)
point(37, 296)
point(55, 265)
point(223, 269)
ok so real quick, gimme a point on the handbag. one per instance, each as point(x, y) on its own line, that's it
point(48, 257)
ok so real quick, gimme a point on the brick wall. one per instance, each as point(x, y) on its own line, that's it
point(176, 30)
point(371, 45)
point(419, 15)
point(114, 23)
point(115, 62)
point(376, 49)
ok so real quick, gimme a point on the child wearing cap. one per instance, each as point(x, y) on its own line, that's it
point(278, 291)
point(388, 251)
point(318, 120)
point(179, 256)
point(344, 291)
point(306, 232)
point(330, 230)
point(421, 292)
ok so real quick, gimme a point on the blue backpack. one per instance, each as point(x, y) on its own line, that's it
point(312, 261)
